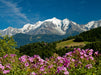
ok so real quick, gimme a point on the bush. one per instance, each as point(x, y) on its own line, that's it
point(96, 46)
point(7, 46)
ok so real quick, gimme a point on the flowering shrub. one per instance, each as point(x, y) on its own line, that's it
point(77, 62)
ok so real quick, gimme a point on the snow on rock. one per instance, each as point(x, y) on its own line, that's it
point(54, 21)
point(26, 27)
point(90, 24)
point(65, 24)
point(38, 24)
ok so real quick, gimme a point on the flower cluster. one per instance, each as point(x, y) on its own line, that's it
point(68, 64)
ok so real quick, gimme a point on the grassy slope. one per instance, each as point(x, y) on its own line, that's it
point(70, 43)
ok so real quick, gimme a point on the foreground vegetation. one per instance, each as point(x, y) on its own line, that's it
point(77, 62)
point(58, 58)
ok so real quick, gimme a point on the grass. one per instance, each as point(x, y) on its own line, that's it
point(70, 43)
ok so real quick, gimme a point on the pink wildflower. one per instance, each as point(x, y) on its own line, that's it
point(85, 55)
point(90, 53)
point(6, 71)
point(69, 54)
point(96, 53)
point(33, 73)
point(66, 73)
point(31, 59)
point(73, 60)
point(5, 55)
point(8, 66)
point(89, 66)
point(79, 49)
point(23, 60)
point(50, 66)
point(42, 68)
point(91, 58)
point(12, 55)
point(45, 72)
point(26, 64)
point(61, 61)
point(81, 53)
point(91, 50)
point(59, 58)
point(81, 57)
point(2, 67)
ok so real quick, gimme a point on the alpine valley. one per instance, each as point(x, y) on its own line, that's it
point(49, 30)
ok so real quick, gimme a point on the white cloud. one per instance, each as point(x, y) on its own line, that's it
point(15, 10)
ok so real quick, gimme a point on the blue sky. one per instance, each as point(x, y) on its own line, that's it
point(16, 13)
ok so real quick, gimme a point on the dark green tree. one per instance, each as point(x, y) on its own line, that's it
point(79, 39)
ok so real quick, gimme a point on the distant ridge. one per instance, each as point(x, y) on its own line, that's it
point(52, 26)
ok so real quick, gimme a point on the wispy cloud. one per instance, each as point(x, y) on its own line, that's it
point(15, 9)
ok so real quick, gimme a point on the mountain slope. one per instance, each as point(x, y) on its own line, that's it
point(23, 39)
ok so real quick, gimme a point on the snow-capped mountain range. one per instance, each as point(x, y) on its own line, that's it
point(52, 26)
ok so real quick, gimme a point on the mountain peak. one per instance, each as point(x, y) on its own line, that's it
point(39, 22)
point(9, 28)
point(26, 27)
point(91, 23)
point(54, 20)
point(66, 19)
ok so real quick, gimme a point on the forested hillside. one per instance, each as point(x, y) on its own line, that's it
point(91, 35)
point(90, 39)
